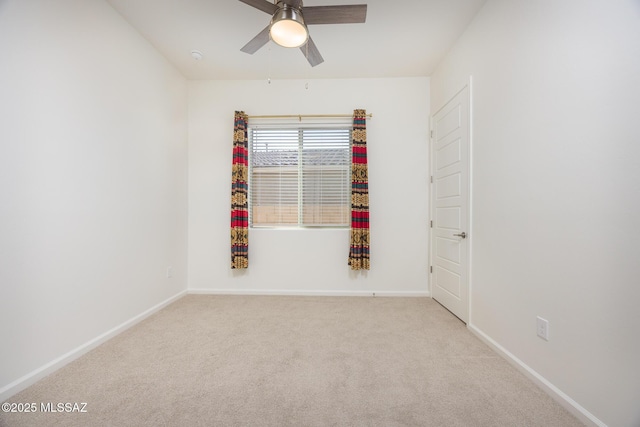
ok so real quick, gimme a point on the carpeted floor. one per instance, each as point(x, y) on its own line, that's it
point(293, 361)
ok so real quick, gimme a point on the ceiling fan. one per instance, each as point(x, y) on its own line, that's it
point(288, 26)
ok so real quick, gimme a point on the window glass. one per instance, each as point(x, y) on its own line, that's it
point(300, 176)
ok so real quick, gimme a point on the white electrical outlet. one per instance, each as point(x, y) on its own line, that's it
point(543, 328)
point(169, 272)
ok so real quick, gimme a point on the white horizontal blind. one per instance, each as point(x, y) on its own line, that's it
point(326, 162)
point(300, 176)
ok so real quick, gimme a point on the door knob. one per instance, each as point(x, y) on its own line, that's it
point(463, 235)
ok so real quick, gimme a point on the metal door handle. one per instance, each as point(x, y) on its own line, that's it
point(463, 235)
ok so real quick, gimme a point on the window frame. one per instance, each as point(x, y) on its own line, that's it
point(300, 127)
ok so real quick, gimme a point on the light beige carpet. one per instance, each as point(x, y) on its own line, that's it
point(293, 361)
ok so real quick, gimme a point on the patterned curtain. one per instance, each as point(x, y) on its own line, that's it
point(359, 246)
point(239, 193)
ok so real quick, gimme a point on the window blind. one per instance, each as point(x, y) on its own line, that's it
point(300, 176)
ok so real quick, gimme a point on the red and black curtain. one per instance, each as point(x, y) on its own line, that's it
point(359, 245)
point(239, 193)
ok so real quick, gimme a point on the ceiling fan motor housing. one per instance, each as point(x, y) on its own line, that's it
point(287, 26)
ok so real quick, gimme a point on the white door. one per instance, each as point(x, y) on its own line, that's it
point(450, 205)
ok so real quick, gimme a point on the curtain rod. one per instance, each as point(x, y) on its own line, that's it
point(306, 116)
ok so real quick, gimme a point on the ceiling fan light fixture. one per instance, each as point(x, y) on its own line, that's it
point(288, 28)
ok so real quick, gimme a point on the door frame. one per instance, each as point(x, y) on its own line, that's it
point(469, 226)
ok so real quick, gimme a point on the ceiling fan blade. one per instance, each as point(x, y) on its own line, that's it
point(257, 42)
point(311, 52)
point(348, 14)
point(263, 5)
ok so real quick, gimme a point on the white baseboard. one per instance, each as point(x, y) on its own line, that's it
point(286, 292)
point(21, 383)
point(558, 395)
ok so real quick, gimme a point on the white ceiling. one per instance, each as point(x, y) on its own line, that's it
point(399, 39)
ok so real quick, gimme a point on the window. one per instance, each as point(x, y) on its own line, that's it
point(300, 176)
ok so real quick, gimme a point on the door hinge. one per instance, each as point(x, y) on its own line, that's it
point(431, 179)
point(431, 134)
point(431, 224)
point(431, 269)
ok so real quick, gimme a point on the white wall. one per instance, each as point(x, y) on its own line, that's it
point(556, 202)
point(93, 135)
point(313, 261)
